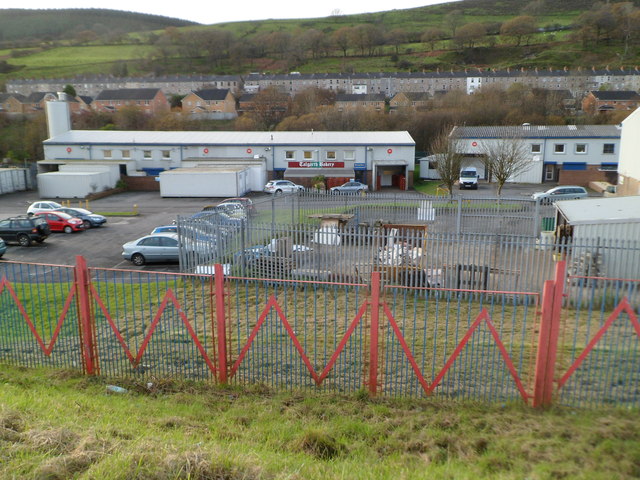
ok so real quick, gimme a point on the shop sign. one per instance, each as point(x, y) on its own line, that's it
point(316, 164)
point(359, 166)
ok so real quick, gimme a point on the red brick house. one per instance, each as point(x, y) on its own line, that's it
point(209, 100)
point(149, 100)
point(608, 101)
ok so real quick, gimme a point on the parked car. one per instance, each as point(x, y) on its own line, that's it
point(43, 206)
point(3, 247)
point(24, 230)
point(164, 229)
point(564, 192)
point(469, 178)
point(62, 222)
point(282, 186)
point(160, 247)
point(89, 219)
point(246, 203)
point(350, 187)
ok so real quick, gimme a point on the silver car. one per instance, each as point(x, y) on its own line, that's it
point(282, 186)
point(160, 247)
point(350, 187)
point(564, 192)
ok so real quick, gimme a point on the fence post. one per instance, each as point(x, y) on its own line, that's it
point(374, 340)
point(86, 321)
point(548, 338)
point(221, 330)
point(459, 216)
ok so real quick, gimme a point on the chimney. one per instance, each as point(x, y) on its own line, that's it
point(58, 116)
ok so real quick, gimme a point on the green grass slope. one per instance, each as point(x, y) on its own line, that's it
point(61, 425)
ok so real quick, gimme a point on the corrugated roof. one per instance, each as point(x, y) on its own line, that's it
point(107, 137)
point(593, 211)
point(539, 131)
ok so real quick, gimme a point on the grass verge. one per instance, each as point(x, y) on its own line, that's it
point(60, 424)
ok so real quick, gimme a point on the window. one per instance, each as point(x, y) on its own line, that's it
point(608, 148)
point(536, 148)
point(331, 155)
point(106, 153)
point(147, 154)
point(166, 154)
point(308, 154)
point(126, 153)
point(558, 148)
point(581, 148)
point(290, 154)
point(349, 154)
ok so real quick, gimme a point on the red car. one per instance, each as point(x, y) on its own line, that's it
point(62, 222)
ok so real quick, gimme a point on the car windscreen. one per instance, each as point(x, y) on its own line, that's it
point(468, 173)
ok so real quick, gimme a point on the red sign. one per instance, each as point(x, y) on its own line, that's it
point(390, 151)
point(249, 150)
point(474, 144)
point(315, 164)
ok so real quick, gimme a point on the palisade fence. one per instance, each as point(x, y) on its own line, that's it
point(575, 343)
point(455, 214)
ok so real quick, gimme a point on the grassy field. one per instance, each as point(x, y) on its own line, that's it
point(57, 424)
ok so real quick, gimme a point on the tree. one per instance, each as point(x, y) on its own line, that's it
point(448, 161)
point(341, 38)
point(70, 90)
point(432, 36)
point(519, 28)
point(453, 20)
point(468, 35)
point(505, 158)
point(397, 37)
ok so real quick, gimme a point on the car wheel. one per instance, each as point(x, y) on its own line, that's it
point(68, 229)
point(137, 259)
point(24, 240)
point(278, 192)
point(86, 224)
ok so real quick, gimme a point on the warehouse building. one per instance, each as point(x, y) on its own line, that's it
point(380, 159)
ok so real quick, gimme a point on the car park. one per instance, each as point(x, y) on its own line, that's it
point(61, 222)
point(89, 219)
point(282, 186)
point(42, 206)
point(161, 247)
point(24, 230)
point(3, 247)
point(350, 187)
point(563, 192)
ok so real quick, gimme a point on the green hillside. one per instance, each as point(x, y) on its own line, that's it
point(48, 25)
point(465, 34)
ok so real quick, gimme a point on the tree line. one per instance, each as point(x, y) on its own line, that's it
point(313, 109)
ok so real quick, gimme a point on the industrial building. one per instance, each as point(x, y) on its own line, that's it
point(380, 159)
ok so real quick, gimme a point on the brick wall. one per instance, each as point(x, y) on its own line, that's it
point(142, 184)
point(583, 177)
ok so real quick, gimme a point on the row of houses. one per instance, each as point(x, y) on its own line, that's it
point(578, 82)
point(224, 104)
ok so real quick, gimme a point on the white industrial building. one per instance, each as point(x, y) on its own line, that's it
point(565, 154)
point(216, 164)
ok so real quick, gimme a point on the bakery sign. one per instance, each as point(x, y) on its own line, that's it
point(316, 164)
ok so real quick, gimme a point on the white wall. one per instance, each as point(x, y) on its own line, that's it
point(205, 183)
point(112, 170)
point(629, 164)
point(71, 184)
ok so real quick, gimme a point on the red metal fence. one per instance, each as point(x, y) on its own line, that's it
point(391, 340)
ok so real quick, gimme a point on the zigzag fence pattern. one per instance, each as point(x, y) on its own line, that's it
point(391, 340)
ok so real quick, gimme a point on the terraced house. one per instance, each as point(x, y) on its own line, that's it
point(149, 100)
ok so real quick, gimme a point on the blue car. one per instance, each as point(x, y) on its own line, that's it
point(89, 219)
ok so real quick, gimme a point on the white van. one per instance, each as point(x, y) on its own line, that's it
point(469, 178)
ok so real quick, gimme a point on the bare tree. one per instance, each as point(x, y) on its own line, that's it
point(447, 157)
point(505, 158)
